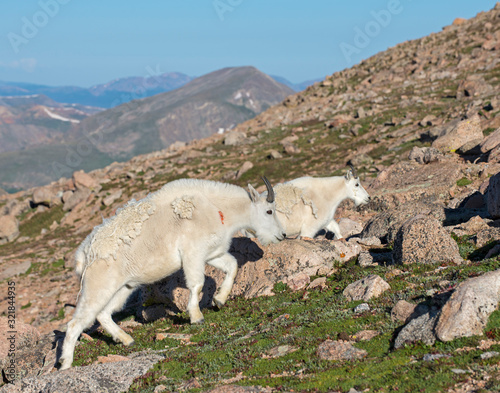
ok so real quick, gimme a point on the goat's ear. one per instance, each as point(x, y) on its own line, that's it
point(254, 194)
point(348, 175)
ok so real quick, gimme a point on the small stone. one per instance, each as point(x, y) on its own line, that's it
point(361, 308)
point(366, 288)
point(459, 371)
point(339, 350)
point(111, 359)
point(488, 355)
point(318, 282)
point(430, 357)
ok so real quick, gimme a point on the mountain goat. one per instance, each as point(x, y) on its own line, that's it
point(306, 205)
point(185, 224)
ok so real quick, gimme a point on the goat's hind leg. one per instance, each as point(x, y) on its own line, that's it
point(194, 272)
point(92, 301)
point(106, 320)
point(227, 263)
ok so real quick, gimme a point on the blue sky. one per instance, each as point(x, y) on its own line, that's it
point(86, 42)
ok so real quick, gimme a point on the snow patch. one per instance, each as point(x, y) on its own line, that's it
point(57, 117)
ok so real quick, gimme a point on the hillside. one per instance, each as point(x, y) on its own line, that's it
point(51, 147)
point(420, 122)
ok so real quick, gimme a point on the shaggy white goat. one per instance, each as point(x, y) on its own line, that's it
point(184, 225)
point(306, 205)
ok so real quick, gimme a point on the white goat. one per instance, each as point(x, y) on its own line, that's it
point(184, 225)
point(306, 205)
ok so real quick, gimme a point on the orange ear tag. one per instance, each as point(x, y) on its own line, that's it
point(221, 217)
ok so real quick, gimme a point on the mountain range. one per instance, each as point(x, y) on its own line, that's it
point(43, 140)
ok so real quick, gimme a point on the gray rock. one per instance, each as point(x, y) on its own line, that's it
point(361, 308)
point(366, 288)
point(430, 357)
point(349, 227)
point(489, 355)
point(108, 377)
point(108, 201)
point(419, 329)
point(493, 199)
point(365, 259)
point(15, 270)
point(467, 311)
point(490, 142)
point(422, 239)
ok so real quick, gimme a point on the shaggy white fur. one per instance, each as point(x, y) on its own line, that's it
point(287, 196)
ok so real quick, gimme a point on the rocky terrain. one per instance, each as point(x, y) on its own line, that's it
point(408, 301)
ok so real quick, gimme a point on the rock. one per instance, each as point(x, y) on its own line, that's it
point(339, 350)
point(493, 198)
point(404, 311)
point(279, 351)
point(274, 155)
point(298, 281)
point(349, 227)
point(407, 181)
point(467, 311)
point(291, 261)
point(365, 335)
point(424, 155)
point(84, 180)
point(490, 142)
point(365, 259)
point(366, 288)
point(419, 329)
point(110, 199)
point(44, 196)
point(360, 308)
point(422, 239)
point(386, 225)
point(465, 131)
point(430, 357)
point(9, 229)
point(109, 377)
point(235, 138)
point(247, 165)
point(489, 355)
point(318, 282)
point(66, 195)
point(428, 120)
point(459, 21)
point(15, 270)
point(77, 197)
point(472, 86)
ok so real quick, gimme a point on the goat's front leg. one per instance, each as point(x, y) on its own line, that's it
point(335, 228)
point(227, 263)
point(194, 272)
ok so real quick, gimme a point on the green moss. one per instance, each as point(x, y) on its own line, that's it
point(33, 226)
point(463, 182)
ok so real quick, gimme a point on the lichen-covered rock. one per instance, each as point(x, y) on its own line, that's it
point(424, 155)
point(422, 239)
point(366, 288)
point(235, 138)
point(418, 329)
point(467, 311)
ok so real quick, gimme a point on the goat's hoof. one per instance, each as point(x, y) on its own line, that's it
point(198, 322)
point(217, 303)
point(130, 344)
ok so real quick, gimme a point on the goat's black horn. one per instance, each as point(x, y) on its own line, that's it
point(270, 191)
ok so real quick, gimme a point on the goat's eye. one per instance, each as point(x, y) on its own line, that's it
point(269, 212)
point(357, 184)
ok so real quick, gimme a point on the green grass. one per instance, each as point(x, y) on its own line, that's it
point(237, 339)
point(38, 221)
point(463, 182)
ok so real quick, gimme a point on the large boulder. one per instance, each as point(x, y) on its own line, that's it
point(418, 329)
point(44, 196)
point(84, 180)
point(260, 268)
point(9, 229)
point(493, 200)
point(408, 181)
point(466, 131)
point(467, 311)
point(422, 239)
point(490, 142)
point(386, 225)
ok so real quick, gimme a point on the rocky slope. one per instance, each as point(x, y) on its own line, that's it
point(421, 123)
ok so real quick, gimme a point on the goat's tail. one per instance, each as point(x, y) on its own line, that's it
point(79, 262)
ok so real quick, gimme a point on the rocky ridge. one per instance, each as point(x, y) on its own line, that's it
point(419, 121)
